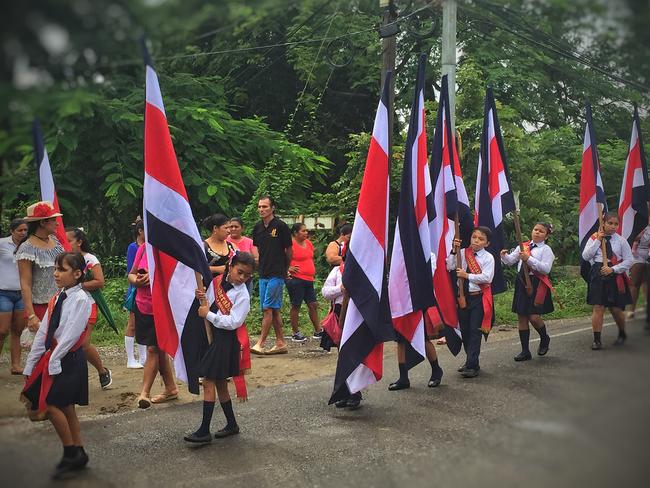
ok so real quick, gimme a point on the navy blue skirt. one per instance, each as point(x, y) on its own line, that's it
point(602, 290)
point(522, 304)
point(221, 359)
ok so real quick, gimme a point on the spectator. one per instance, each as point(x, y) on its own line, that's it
point(12, 309)
point(334, 250)
point(300, 284)
point(217, 249)
point(242, 243)
point(129, 332)
point(272, 238)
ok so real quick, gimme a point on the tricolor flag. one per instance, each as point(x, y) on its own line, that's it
point(635, 190)
point(174, 245)
point(48, 192)
point(367, 324)
point(410, 282)
point(450, 200)
point(494, 198)
point(592, 193)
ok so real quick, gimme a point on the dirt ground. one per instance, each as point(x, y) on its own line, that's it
point(304, 361)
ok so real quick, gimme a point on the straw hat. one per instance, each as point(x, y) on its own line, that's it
point(41, 211)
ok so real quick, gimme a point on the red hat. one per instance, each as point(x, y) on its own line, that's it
point(41, 211)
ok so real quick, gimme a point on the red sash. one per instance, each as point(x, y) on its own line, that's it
point(544, 286)
point(486, 288)
point(224, 305)
point(621, 278)
point(42, 366)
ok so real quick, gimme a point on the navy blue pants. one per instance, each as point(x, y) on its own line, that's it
point(470, 327)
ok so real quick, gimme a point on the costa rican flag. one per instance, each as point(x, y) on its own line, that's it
point(367, 324)
point(46, 181)
point(410, 283)
point(450, 202)
point(174, 246)
point(635, 191)
point(493, 198)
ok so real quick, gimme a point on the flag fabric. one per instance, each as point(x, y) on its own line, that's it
point(410, 282)
point(493, 198)
point(367, 323)
point(635, 190)
point(449, 199)
point(46, 181)
point(173, 243)
point(592, 192)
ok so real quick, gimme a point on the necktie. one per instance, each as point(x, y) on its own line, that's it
point(533, 245)
point(54, 320)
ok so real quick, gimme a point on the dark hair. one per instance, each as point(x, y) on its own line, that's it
point(269, 198)
point(73, 259)
point(243, 258)
point(215, 220)
point(238, 220)
point(610, 215)
point(136, 227)
point(549, 227)
point(483, 230)
point(15, 223)
point(345, 229)
point(297, 227)
point(32, 227)
point(80, 235)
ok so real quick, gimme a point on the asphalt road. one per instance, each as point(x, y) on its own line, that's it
point(573, 418)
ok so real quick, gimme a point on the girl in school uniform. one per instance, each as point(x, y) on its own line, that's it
point(639, 269)
point(530, 305)
point(79, 243)
point(224, 357)
point(608, 285)
point(56, 369)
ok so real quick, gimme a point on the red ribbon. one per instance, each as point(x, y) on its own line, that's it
point(486, 288)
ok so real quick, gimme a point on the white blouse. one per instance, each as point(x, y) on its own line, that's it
point(620, 248)
point(74, 317)
point(241, 305)
point(540, 260)
point(640, 250)
point(332, 287)
point(485, 261)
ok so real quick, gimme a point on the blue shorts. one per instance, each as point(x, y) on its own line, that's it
point(11, 301)
point(271, 292)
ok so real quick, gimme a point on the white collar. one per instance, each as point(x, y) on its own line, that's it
point(538, 244)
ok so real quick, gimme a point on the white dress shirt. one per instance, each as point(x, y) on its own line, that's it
point(620, 248)
point(9, 278)
point(641, 248)
point(484, 259)
point(540, 260)
point(241, 305)
point(75, 313)
point(332, 287)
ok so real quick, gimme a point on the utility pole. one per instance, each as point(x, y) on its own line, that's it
point(449, 13)
point(387, 32)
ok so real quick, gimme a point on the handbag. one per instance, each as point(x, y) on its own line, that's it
point(330, 325)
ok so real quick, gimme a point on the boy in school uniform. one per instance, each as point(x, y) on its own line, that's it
point(477, 317)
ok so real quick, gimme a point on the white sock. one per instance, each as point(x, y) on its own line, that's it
point(142, 353)
point(129, 344)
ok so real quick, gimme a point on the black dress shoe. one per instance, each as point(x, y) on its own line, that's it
point(226, 432)
point(523, 356)
point(399, 385)
point(354, 403)
point(197, 438)
point(433, 383)
point(68, 464)
point(83, 461)
point(470, 373)
point(596, 346)
point(461, 369)
point(620, 340)
point(543, 346)
point(341, 403)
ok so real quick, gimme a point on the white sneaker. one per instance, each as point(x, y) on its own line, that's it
point(134, 365)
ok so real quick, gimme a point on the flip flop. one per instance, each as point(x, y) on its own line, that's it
point(258, 350)
point(278, 350)
point(164, 397)
point(144, 402)
point(17, 373)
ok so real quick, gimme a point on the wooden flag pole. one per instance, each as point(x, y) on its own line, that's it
point(462, 302)
point(524, 266)
point(199, 286)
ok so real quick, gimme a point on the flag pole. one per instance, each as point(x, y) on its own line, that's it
point(524, 265)
point(199, 286)
point(462, 302)
point(603, 245)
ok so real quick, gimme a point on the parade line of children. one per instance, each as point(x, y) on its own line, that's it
point(56, 369)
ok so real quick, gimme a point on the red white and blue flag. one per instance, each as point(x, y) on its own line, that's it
point(174, 246)
point(592, 193)
point(450, 201)
point(635, 190)
point(367, 324)
point(410, 282)
point(494, 198)
point(46, 181)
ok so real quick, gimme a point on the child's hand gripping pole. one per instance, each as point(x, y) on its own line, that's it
point(203, 302)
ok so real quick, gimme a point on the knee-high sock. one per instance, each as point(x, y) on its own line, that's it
point(228, 412)
point(208, 408)
point(436, 370)
point(129, 345)
point(403, 373)
point(524, 338)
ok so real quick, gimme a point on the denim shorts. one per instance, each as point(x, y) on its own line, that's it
point(11, 301)
point(271, 292)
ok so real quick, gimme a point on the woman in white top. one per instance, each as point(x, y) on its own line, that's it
point(12, 309)
point(530, 305)
point(79, 243)
point(639, 270)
